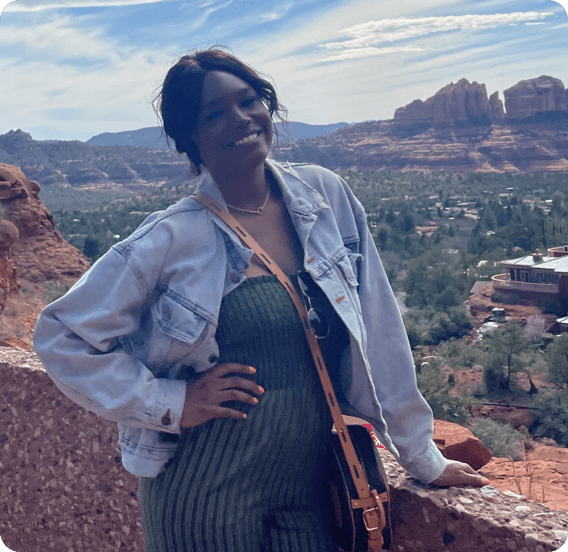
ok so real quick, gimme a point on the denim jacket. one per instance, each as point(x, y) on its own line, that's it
point(119, 341)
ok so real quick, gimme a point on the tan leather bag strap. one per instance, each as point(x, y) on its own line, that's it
point(369, 500)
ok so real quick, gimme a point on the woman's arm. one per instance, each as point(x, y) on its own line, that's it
point(78, 339)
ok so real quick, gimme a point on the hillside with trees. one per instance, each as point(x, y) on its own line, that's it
point(437, 234)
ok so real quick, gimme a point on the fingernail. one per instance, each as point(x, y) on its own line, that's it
point(252, 370)
point(485, 481)
point(244, 416)
point(260, 390)
point(255, 401)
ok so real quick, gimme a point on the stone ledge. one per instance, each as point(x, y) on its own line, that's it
point(429, 519)
point(62, 486)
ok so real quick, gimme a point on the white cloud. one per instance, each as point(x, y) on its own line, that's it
point(59, 39)
point(365, 37)
point(356, 53)
point(278, 13)
point(37, 5)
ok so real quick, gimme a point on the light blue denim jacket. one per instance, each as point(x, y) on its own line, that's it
point(117, 342)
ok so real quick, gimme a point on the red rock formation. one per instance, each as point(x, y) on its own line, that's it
point(532, 96)
point(40, 253)
point(459, 443)
point(462, 101)
point(9, 282)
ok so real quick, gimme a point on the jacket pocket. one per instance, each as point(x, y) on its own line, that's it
point(177, 320)
point(176, 331)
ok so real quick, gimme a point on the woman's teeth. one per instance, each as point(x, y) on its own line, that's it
point(246, 140)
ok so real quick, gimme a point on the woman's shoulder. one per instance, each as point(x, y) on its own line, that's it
point(166, 228)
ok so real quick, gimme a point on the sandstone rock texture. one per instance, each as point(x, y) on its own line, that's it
point(459, 102)
point(9, 282)
point(40, 253)
point(532, 96)
point(459, 443)
point(62, 486)
point(468, 102)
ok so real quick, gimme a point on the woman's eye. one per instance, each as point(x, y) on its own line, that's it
point(249, 101)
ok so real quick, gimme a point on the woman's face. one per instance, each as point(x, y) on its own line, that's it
point(234, 127)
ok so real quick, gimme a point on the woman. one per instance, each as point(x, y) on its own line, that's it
point(180, 334)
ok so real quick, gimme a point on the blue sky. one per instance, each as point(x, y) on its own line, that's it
point(71, 69)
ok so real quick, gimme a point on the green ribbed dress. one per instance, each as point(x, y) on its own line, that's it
point(251, 485)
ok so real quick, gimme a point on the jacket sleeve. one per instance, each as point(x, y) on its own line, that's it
point(406, 412)
point(78, 339)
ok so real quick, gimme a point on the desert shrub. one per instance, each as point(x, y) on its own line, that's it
point(53, 290)
point(455, 323)
point(478, 390)
point(494, 380)
point(413, 332)
point(552, 306)
point(557, 354)
point(497, 437)
point(552, 418)
point(435, 388)
point(508, 298)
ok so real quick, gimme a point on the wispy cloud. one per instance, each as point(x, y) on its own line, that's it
point(209, 8)
point(59, 39)
point(357, 53)
point(364, 39)
point(37, 5)
point(278, 13)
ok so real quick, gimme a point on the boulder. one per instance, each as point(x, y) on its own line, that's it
point(459, 443)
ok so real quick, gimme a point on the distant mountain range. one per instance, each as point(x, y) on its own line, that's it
point(153, 137)
point(458, 129)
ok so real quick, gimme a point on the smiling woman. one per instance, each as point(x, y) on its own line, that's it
point(182, 335)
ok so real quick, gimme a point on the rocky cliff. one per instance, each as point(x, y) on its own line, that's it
point(534, 96)
point(32, 253)
point(459, 129)
point(40, 253)
point(462, 102)
point(465, 102)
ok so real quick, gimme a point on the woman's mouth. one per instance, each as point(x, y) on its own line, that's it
point(246, 140)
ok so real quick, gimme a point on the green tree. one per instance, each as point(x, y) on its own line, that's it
point(91, 248)
point(505, 346)
point(558, 360)
point(455, 323)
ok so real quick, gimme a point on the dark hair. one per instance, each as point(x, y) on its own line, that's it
point(178, 102)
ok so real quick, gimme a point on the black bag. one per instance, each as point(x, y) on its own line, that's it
point(349, 527)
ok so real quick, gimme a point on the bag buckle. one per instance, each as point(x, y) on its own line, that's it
point(380, 512)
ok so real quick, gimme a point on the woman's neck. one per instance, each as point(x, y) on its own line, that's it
point(246, 191)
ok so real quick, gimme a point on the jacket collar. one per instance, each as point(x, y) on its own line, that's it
point(297, 194)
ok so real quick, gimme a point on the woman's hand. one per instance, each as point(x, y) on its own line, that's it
point(204, 396)
point(460, 475)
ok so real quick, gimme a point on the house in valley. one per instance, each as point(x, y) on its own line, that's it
point(536, 277)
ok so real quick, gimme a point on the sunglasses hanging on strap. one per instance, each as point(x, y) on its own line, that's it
point(358, 490)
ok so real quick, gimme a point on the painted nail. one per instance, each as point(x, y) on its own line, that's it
point(260, 390)
point(252, 370)
point(485, 481)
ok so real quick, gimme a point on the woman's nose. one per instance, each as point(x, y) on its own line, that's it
point(240, 116)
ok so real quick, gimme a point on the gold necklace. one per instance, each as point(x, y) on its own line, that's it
point(258, 211)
